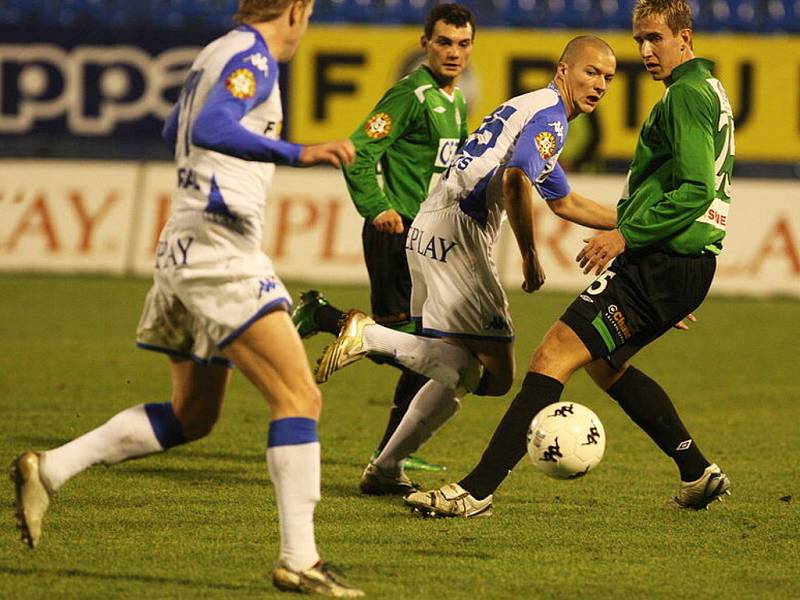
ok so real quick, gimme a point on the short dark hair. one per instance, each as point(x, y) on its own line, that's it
point(677, 13)
point(451, 13)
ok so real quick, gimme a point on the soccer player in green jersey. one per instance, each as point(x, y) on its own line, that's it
point(408, 137)
point(670, 226)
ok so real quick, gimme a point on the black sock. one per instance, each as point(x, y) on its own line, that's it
point(407, 387)
point(509, 442)
point(327, 318)
point(651, 409)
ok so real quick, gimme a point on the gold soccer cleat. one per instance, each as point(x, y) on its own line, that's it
point(33, 497)
point(320, 579)
point(347, 348)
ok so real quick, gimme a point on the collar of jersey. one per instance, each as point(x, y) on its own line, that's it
point(695, 64)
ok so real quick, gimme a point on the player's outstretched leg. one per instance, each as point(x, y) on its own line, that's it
point(33, 497)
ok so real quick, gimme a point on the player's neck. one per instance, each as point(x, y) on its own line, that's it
point(566, 98)
point(446, 84)
point(275, 35)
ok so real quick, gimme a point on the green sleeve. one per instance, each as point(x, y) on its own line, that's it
point(402, 108)
point(689, 125)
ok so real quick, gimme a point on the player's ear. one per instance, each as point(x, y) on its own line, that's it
point(296, 9)
point(686, 39)
point(423, 41)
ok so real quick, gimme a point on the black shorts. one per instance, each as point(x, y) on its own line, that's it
point(637, 299)
point(389, 279)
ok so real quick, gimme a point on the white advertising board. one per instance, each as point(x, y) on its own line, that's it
point(66, 215)
point(105, 217)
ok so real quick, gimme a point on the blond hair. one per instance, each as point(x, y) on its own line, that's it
point(258, 11)
point(676, 13)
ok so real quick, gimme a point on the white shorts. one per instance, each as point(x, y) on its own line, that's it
point(456, 290)
point(209, 286)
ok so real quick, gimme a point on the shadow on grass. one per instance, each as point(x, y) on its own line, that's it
point(90, 575)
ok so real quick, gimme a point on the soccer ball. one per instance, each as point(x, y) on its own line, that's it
point(566, 440)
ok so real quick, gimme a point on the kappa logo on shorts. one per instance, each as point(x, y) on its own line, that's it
point(241, 84)
point(378, 126)
point(545, 144)
point(266, 286)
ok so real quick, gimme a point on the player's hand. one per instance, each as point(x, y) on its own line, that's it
point(600, 249)
point(339, 153)
point(389, 221)
point(532, 272)
point(682, 325)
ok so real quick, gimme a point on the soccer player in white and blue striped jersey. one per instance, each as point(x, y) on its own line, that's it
point(216, 300)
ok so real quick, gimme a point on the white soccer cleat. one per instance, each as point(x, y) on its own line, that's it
point(33, 497)
point(450, 500)
point(698, 494)
point(320, 579)
point(376, 482)
point(347, 348)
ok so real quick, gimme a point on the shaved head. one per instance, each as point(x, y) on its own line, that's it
point(576, 46)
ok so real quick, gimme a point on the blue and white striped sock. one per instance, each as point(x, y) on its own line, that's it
point(293, 459)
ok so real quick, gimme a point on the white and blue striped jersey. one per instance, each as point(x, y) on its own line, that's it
point(224, 131)
point(528, 132)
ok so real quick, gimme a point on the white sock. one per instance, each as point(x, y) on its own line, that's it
point(295, 472)
point(128, 434)
point(454, 366)
point(433, 405)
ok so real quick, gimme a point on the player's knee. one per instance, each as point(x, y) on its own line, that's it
point(196, 424)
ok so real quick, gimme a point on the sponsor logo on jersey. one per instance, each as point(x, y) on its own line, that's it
point(545, 144)
point(259, 61)
point(446, 151)
point(378, 126)
point(241, 84)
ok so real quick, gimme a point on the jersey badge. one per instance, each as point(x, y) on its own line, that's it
point(241, 84)
point(378, 126)
point(545, 144)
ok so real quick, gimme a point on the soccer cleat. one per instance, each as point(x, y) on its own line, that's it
point(33, 497)
point(712, 485)
point(375, 482)
point(417, 463)
point(320, 579)
point(450, 500)
point(347, 348)
point(303, 314)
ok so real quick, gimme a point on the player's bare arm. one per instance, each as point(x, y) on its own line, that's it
point(599, 250)
point(584, 211)
point(389, 221)
point(337, 154)
point(518, 202)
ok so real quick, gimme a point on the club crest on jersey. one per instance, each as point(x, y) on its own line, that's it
point(545, 144)
point(378, 126)
point(241, 84)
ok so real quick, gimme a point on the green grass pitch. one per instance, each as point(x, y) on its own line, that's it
point(200, 522)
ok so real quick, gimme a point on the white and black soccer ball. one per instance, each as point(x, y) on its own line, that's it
point(566, 440)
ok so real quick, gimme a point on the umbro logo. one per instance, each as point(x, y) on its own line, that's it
point(684, 445)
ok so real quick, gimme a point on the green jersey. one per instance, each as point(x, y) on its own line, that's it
point(410, 135)
point(679, 185)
